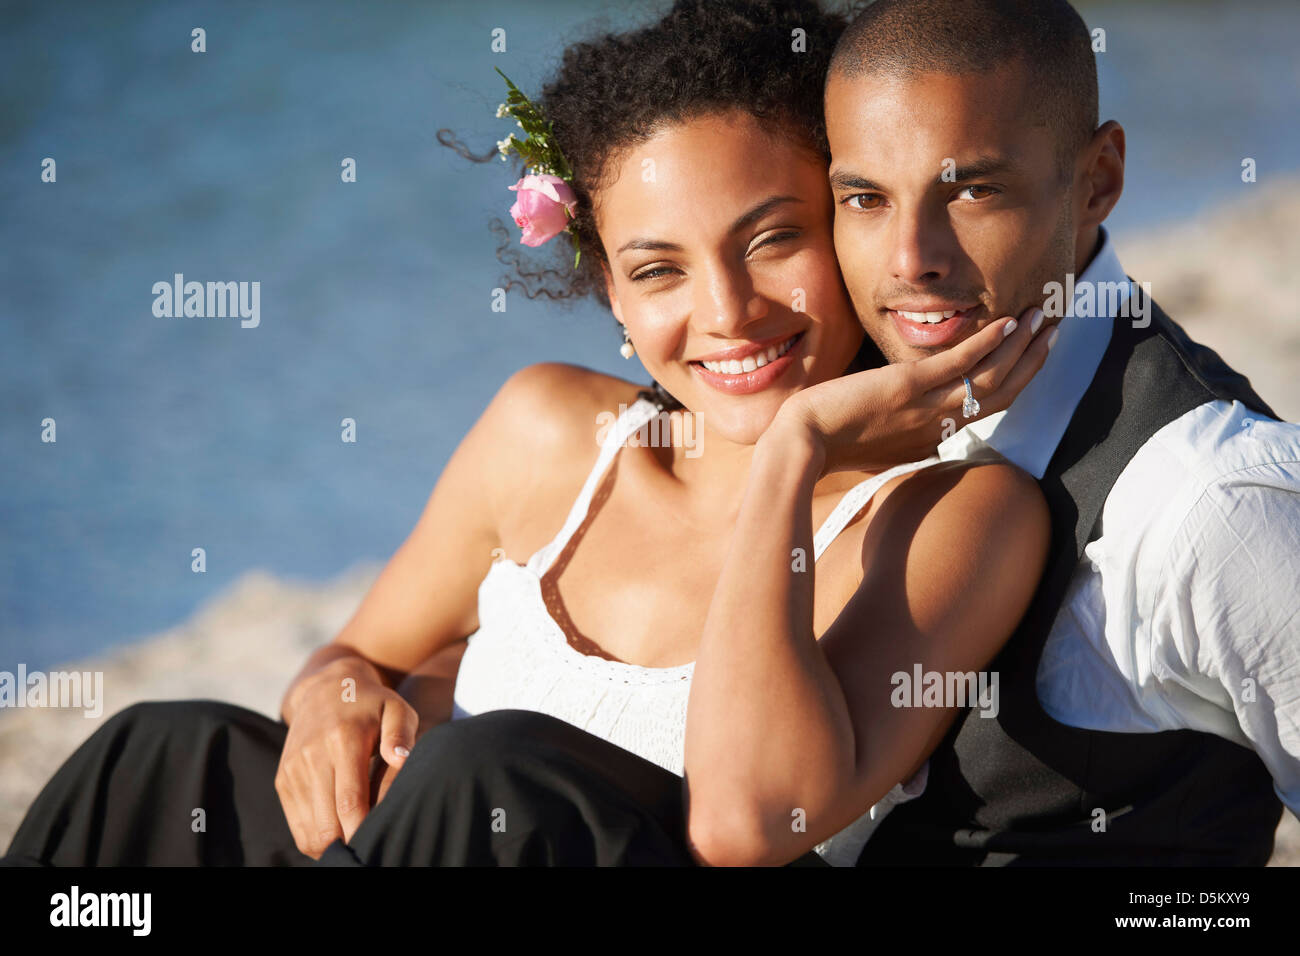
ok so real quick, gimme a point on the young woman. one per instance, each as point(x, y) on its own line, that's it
point(665, 595)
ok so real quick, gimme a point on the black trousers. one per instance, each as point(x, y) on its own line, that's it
point(191, 783)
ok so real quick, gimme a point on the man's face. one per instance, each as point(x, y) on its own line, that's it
point(950, 211)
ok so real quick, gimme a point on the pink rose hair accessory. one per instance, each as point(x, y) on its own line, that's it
point(544, 202)
point(543, 207)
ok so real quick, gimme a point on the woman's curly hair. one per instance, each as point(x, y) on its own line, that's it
point(618, 89)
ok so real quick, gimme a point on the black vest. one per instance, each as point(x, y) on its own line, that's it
point(1021, 788)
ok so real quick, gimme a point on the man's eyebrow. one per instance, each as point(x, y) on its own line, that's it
point(978, 169)
point(746, 219)
point(984, 166)
point(844, 180)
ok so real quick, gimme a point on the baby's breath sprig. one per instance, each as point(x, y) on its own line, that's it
point(538, 149)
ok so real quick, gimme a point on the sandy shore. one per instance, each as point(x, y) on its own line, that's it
point(1228, 278)
point(244, 646)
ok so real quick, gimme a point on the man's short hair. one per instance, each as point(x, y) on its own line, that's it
point(910, 37)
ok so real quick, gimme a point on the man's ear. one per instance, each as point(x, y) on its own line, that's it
point(610, 293)
point(1102, 175)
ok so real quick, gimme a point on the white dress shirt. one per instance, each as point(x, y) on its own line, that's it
point(1185, 612)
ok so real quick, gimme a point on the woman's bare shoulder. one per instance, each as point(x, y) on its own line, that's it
point(545, 419)
point(552, 403)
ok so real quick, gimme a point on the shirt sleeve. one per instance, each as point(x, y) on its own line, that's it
point(1225, 615)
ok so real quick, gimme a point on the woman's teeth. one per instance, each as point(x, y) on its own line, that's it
point(929, 318)
point(751, 362)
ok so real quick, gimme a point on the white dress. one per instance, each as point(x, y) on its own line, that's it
point(520, 658)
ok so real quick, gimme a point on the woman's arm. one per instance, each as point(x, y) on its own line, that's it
point(344, 704)
point(783, 728)
point(426, 597)
point(789, 739)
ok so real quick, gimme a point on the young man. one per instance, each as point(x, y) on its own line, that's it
point(1150, 701)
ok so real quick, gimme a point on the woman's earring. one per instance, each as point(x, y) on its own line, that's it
point(626, 349)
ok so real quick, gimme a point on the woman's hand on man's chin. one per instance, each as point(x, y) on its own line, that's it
point(881, 417)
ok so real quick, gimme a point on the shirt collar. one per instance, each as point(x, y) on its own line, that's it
point(1028, 432)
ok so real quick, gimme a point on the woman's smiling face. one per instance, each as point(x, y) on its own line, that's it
point(718, 234)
